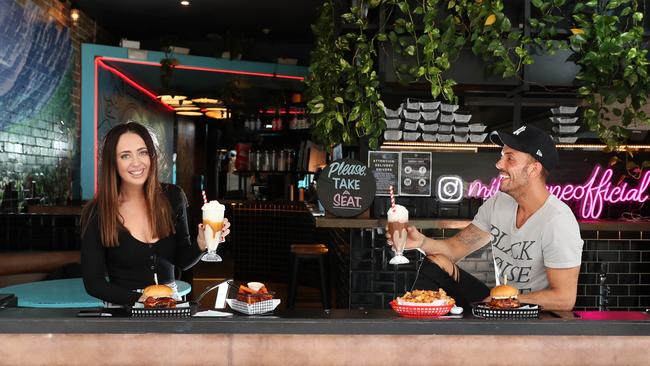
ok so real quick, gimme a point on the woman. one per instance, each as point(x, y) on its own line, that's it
point(135, 228)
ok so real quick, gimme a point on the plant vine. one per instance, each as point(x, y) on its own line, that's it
point(480, 25)
point(343, 87)
point(614, 66)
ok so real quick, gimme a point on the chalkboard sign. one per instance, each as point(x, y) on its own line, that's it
point(415, 178)
point(346, 188)
point(385, 166)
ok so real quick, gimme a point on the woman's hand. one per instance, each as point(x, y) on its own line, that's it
point(200, 238)
point(414, 238)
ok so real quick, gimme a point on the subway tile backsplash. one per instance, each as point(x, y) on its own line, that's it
point(624, 262)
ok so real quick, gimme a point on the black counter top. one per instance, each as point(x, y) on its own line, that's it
point(359, 223)
point(24, 320)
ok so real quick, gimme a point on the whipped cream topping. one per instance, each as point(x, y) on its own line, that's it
point(399, 214)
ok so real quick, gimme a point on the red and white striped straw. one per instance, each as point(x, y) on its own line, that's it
point(392, 198)
point(205, 198)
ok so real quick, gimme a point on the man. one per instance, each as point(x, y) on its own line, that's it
point(534, 236)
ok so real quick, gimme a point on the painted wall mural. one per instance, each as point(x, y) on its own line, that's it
point(38, 127)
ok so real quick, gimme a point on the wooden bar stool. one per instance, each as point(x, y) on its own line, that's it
point(303, 252)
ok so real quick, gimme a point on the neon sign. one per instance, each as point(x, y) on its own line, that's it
point(597, 191)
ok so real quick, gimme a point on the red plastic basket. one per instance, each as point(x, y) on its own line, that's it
point(427, 311)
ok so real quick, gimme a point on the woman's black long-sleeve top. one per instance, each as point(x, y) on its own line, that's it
point(112, 274)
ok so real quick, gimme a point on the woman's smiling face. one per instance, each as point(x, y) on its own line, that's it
point(133, 159)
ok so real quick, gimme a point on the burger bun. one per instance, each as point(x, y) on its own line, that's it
point(157, 291)
point(504, 292)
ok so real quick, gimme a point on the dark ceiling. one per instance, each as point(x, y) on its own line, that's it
point(206, 26)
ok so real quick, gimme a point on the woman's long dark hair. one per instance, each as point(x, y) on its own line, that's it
point(105, 203)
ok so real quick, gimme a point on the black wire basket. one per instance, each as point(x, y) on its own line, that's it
point(482, 310)
point(180, 311)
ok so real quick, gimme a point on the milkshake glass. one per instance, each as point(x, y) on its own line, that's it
point(213, 213)
point(398, 219)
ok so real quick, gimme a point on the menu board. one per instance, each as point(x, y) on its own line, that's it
point(415, 174)
point(385, 167)
point(346, 188)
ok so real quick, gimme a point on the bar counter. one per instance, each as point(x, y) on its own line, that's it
point(336, 337)
point(358, 223)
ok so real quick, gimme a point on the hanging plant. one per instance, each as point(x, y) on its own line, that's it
point(344, 102)
point(545, 29)
point(613, 59)
point(167, 66)
point(480, 25)
point(429, 49)
point(491, 36)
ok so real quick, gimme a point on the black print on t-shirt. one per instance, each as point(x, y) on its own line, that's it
point(516, 251)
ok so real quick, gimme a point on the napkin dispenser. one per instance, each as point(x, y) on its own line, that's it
point(8, 301)
point(222, 293)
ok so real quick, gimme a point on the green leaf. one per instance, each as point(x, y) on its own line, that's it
point(410, 50)
point(382, 37)
point(592, 3)
point(537, 3)
point(637, 16)
point(338, 100)
point(339, 118)
point(403, 7)
point(505, 25)
point(435, 90)
point(318, 108)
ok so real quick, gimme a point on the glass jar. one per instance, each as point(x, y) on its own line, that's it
point(266, 161)
point(252, 160)
point(274, 160)
point(282, 161)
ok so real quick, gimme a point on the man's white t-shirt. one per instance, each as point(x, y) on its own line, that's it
point(549, 238)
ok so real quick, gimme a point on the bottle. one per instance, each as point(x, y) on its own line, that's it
point(290, 160)
point(266, 163)
point(252, 157)
point(282, 161)
point(274, 161)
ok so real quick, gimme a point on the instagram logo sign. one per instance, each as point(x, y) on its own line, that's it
point(449, 188)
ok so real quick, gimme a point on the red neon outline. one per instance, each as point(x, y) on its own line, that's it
point(208, 69)
point(95, 130)
point(133, 83)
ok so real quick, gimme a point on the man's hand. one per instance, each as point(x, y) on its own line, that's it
point(414, 238)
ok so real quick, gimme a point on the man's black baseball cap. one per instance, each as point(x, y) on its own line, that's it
point(531, 140)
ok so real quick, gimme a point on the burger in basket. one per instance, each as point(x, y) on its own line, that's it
point(159, 296)
point(504, 297)
point(426, 298)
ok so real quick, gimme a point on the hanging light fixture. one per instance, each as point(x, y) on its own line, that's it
point(189, 113)
point(207, 101)
point(217, 113)
point(169, 98)
point(75, 14)
point(188, 108)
